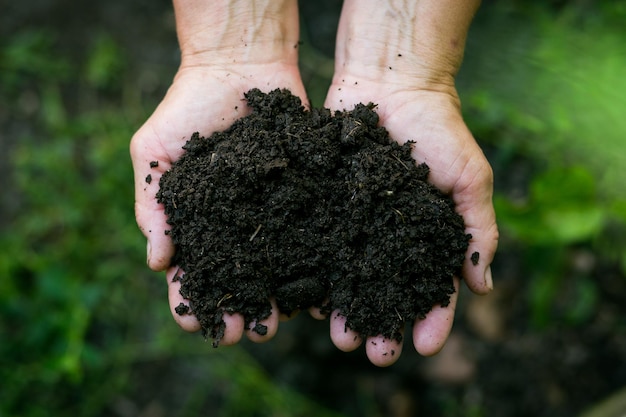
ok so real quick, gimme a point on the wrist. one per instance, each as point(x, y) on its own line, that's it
point(417, 42)
point(231, 32)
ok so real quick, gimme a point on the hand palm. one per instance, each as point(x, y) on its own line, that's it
point(201, 100)
point(458, 167)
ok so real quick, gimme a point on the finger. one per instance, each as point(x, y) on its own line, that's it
point(478, 212)
point(381, 351)
point(345, 339)
point(234, 323)
point(233, 330)
point(468, 177)
point(187, 322)
point(431, 333)
point(264, 330)
point(150, 215)
point(316, 313)
point(479, 256)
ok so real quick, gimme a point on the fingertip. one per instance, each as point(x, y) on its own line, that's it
point(430, 334)
point(152, 222)
point(233, 330)
point(382, 352)
point(477, 274)
point(187, 322)
point(264, 330)
point(428, 344)
point(480, 255)
point(316, 313)
point(159, 251)
point(488, 278)
point(342, 337)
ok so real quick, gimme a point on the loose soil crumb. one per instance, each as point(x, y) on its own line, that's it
point(313, 209)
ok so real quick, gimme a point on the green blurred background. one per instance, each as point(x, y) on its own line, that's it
point(85, 328)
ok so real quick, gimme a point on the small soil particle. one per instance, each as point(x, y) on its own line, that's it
point(475, 257)
point(260, 329)
point(182, 309)
point(314, 209)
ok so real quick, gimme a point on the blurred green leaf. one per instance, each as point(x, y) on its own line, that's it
point(583, 302)
point(28, 58)
point(105, 63)
point(544, 286)
point(574, 224)
point(562, 208)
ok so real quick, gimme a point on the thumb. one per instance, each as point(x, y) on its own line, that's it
point(474, 202)
point(150, 215)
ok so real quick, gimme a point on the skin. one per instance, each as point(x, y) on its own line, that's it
point(407, 65)
point(402, 55)
point(218, 64)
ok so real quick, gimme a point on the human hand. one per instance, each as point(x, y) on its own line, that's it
point(408, 70)
point(217, 67)
point(457, 166)
point(200, 100)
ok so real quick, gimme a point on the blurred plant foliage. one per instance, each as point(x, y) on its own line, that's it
point(28, 57)
point(79, 309)
point(552, 92)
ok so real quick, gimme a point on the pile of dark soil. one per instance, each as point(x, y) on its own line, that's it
point(313, 209)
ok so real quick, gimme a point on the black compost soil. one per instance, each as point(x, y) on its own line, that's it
point(313, 209)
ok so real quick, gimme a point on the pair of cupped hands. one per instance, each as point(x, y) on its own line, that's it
point(209, 98)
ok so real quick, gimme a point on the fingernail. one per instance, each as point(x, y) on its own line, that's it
point(148, 252)
point(488, 278)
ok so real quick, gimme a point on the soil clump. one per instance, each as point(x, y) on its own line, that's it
point(311, 208)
